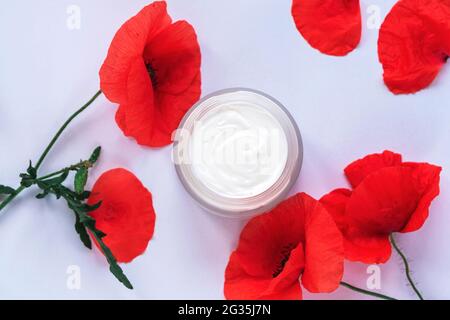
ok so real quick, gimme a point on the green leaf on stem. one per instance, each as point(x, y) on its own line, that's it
point(81, 230)
point(32, 171)
point(42, 195)
point(6, 190)
point(89, 208)
point(84, 223)
point(55, 181)
point(76, 201)
point(80, 180)
point(115, 269)
point(89, 223)
point(95, 155)
point(28, 179)
point(84, 195)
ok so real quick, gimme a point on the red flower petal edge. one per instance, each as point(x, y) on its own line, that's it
point(296, 239)
point(389, 196)
point(358, 170)
point(153, 71)
point(331, 26)
point(414, 44)
point(126, 214)
point(374, 249)
point(426, 179)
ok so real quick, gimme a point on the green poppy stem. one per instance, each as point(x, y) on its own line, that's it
point(407, 269)
point(72, 167)
point(11, 197)
point(366, 292)
point(18, 190)
point(64, 126)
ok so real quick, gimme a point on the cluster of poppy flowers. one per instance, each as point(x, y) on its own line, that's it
point(413, 44)
point(152, 71)
point(307, 240)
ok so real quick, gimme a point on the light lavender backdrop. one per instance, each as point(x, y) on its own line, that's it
point(342, 107)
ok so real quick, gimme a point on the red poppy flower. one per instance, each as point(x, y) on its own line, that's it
point(414, 44)
point(388, 196)
point(126, 214)
point(331, 26)
point(153, 71)
point(296, 239)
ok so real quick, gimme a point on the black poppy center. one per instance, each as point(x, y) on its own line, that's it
point(152, 74)
point(285, 254)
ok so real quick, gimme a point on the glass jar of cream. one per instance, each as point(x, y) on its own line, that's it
point(238, 152)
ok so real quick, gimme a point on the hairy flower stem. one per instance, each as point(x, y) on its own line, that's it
point(64, 126)
point(366, 292)
point(78, 165)
point(11, 197)
point(18, 190)
point(407, 269)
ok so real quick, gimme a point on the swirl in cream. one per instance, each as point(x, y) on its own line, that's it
point(238, 150)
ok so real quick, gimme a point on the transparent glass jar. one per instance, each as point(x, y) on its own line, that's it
point(229, 206)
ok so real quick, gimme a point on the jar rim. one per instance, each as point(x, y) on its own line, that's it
point(244, 207)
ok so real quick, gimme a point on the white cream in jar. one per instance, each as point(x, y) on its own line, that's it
point(238, 152)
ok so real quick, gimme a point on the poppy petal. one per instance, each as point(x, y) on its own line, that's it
point(265, 236)
point(152, 120)
point(240, 286)
point(264, 244)
point(331, 26)
point(136, 118)
point(153, 71)
point(363, 248)
point(126, 213)
point(275, 248)
point(384, 201)
point(324, 250)
point(129, 43)
point(335, 203)
point(120, 118)
point(392, 199)
point(359, 169)
point(414, 44)
point(381, 204)
point(287, 285)
point(170, 110)
point(368, 249)
point(389, 196)
point(426, 179)
point(175, 56)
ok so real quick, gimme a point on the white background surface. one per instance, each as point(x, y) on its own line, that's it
point(342, 107)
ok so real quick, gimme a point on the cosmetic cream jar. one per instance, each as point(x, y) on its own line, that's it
point(238, 152)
